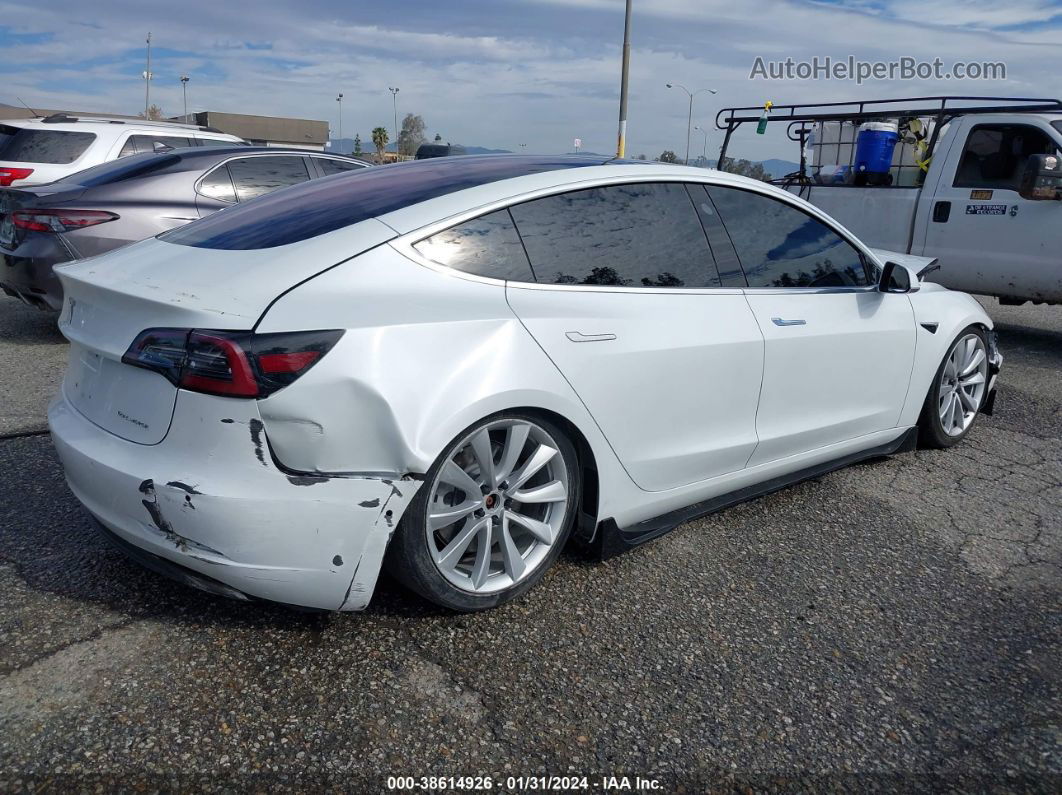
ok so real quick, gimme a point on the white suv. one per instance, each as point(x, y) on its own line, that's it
point(37, 151)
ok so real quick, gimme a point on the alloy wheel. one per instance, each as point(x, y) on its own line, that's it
point(962, 384)
point(497, 506)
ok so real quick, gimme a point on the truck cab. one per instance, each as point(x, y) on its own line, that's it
point(963, 198)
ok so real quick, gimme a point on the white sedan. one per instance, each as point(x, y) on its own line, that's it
point(454, 366)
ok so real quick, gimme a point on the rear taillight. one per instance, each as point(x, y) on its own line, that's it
point(230, 363)
point(10, 175)
point(59, 220)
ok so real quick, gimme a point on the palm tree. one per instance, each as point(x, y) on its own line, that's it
point(379, 140)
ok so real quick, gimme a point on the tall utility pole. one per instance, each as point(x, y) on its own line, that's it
point(394, 102)
point(339, 99)
point(689, 119)
point(147, 78)
point(184, 88)
point(621, 138)
point(704, 149)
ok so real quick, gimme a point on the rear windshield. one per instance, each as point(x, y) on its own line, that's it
point(57, 147)
point(118, 170)
point(324, 205)
point(1058, 125)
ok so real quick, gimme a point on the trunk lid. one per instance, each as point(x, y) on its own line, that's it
point(12, 199)
point(110, 299)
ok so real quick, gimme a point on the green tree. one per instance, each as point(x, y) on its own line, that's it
point(640, 157)
point(745, 168)
point(437, 137)
point(411, 135)
point(379, 140)
point(357, 144)
point(667, 156)
point(154, 113)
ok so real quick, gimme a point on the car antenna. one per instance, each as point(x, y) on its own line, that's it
point(36, 115)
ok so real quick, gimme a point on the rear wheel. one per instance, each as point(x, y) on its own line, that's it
point(957, 392)
point(494, 513)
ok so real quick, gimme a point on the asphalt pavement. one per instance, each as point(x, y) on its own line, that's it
point(892, 626)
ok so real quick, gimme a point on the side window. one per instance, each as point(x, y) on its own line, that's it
point(214, 142)
point(254, 176)
point(995, 155)
point(330, 166)
point(145, 144)
point(726, 259)
point(781, 246)
point(638, 235)
point(129, 147)
point(485, 246)
point(218, 185)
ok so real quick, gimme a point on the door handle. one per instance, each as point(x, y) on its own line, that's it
point(576, 336)
point(781, 322)
point(941, 212)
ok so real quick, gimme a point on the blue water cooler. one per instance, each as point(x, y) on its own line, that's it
point(873, 156)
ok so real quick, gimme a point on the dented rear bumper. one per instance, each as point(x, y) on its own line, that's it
point(211, 500)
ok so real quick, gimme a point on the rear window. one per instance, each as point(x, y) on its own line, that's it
point(324, 205)
point(56, 147)
point(118, 170)
point(1057, 125)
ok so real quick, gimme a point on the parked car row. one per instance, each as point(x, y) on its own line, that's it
point(137, 196)
point(452, 366)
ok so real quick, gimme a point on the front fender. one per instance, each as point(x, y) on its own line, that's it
point(940, 314)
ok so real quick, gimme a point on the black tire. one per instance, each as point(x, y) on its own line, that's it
point(409, 561)
point(931, 432)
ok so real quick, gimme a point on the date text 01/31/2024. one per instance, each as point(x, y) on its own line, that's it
point(522, 783)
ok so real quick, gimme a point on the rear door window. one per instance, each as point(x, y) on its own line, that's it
point(637, 235)
point(218, 185)
point(55, 147)
point(485, 246)
point(255, 176)
point(781, 246)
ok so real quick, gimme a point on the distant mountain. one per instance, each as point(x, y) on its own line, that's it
point(779, 168)
point(346, 146)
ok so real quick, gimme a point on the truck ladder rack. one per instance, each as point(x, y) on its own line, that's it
point(729, 119)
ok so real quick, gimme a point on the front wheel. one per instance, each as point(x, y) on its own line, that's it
point(958, 391)
point(494, 513)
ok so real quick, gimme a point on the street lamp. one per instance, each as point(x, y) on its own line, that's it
point(394, 103)
point(704, 149)
point(689, 120)
point(184, 88)
point(339, 99)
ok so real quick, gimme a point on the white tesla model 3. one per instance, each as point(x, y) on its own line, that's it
point(454, 366)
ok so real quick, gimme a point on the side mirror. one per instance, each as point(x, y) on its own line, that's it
point(1042, 178)
point(897, 278)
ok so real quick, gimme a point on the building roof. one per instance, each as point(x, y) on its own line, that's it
point(266, 128)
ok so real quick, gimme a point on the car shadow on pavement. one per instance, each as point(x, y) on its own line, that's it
point(24, 325)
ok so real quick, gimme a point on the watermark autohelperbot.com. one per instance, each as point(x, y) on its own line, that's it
point(852, 68)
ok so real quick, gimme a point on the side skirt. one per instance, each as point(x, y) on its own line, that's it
point(613, 540)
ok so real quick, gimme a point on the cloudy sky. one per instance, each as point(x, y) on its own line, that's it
point(501, 73)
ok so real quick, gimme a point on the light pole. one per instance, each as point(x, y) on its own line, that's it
point(621, 137)
point(147, 79)
point(704, 149)
point(339, 99)
point(689, 120)
point(184, 88)
point(394, 103)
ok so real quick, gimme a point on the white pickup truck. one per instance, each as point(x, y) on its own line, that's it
point(981, 190)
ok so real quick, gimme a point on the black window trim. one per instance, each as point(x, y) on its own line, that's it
point(309, 170)
point(406, 244)
point(860, 249)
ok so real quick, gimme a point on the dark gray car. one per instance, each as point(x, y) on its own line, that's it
point(120, 202)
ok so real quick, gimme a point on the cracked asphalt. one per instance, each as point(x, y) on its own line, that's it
point(892, 626)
